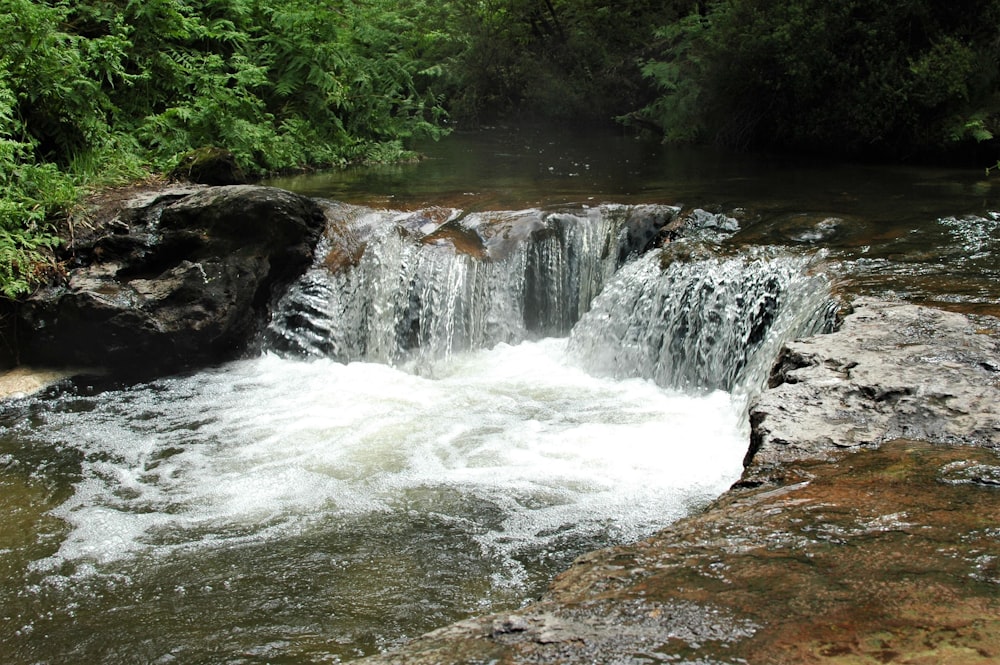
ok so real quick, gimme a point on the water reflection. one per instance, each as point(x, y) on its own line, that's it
point(523, 167)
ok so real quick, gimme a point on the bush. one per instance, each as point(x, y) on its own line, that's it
point(889, 78)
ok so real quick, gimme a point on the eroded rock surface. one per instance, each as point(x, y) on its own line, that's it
point(891, 371)
point(865, 533)
point(180, 278)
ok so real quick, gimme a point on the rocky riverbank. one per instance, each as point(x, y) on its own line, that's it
point(864, 528)
point(863, 531)
point(176, 278)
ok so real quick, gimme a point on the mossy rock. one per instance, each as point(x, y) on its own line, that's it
point(209, 166)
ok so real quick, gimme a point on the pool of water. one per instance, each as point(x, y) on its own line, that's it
point(276, 510)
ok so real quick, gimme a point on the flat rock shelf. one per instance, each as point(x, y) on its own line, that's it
point(864, 529)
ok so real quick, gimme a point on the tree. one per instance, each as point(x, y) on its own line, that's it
point(555, 58)
point(889, 78)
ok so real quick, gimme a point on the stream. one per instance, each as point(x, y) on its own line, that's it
point(429, 435)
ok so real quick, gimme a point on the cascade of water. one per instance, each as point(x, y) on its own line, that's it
point(409, 295)
point(711, 323)
point(686, 322)
point(402, 296)
point(566, 267)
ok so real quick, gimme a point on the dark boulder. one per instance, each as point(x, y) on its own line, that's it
point(183, 279)
point(209, 166)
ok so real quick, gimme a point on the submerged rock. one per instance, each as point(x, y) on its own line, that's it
point(182, 278)
point(861, 532)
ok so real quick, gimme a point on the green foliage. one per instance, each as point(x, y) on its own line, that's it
point(96, 92)
point(678, 109)
point(31, 194)
point(885, 77)
point(555, 58)
point(281, 84)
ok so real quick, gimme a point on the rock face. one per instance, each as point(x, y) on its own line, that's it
point(863, 531)
point(183, 278)
point(892, 371)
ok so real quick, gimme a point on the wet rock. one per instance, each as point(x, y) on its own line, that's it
point(844, 543)
point(699, 220)
point(893, 370)
point(182, 279)
point(503, 232)
point(645, 227)
point(25, 381)
point(463, 240)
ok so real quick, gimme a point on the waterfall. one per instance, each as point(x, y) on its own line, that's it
point(403, 296)
point(686, 317)
point(417, 292)
point(390, 501)
point(705, 324)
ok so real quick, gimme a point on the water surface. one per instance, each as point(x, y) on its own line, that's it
point(919, 233)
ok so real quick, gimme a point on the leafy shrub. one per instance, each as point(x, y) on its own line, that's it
point(890, 77)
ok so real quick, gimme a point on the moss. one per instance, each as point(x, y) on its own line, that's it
point(209, 166)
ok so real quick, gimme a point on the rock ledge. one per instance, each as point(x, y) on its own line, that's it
point(180, 278)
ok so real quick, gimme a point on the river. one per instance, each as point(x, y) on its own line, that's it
point(334, 496)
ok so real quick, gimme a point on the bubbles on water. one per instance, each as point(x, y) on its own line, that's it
point(976, 237)
point(520, 450)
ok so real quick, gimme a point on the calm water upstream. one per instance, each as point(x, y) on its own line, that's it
point(321, 503)
point(923, 234)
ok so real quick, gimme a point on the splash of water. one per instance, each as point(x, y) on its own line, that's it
point(509, 442)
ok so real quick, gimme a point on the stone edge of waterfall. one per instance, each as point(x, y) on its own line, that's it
point(855, 446)
point(891, 371)
point(172, 279)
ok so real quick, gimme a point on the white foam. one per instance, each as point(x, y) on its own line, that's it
point(270, 447)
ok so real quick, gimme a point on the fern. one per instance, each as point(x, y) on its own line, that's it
point(94, 91)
